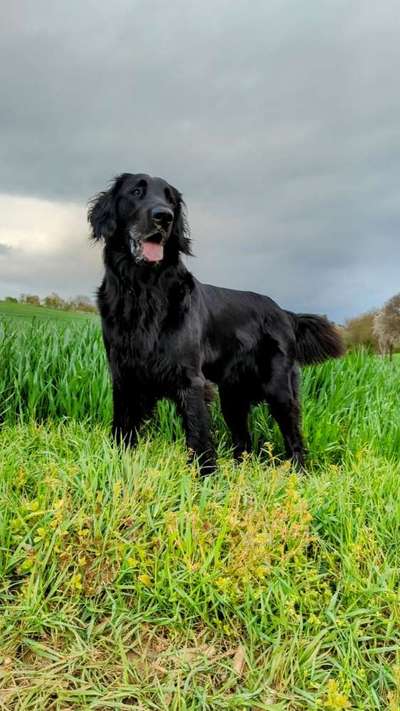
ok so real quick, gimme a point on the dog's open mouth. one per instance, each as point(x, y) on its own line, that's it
point(150, 249)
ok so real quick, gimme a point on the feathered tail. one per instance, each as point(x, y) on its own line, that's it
point(317, 339)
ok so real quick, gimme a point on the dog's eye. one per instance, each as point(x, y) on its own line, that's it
point(169, 197)
point(137, 192)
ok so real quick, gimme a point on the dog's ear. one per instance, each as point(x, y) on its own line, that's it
point(102, 216)
point(181, 230)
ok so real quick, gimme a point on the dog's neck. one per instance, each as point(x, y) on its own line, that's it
point(130, 278)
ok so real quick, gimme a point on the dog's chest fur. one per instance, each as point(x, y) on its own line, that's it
point(142, 325)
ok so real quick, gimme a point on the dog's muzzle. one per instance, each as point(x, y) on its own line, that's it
point(147, 249)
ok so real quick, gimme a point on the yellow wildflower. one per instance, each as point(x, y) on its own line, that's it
point(32, 505)
point(76, 581)
point(83, 533)
point(27, 564)
point(145, 579)
point(132, 562)
point(41, 533)
point(117, 488)
point(335, 700)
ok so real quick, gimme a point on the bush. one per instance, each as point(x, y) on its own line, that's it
point(359, 331)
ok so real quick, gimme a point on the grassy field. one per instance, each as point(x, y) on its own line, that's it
point(127, 582)
point(27, 312)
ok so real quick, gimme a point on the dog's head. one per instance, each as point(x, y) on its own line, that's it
point(142, 216)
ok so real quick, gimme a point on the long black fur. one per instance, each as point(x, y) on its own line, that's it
point(166, 334)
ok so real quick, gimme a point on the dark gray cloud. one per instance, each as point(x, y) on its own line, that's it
point(279, 121)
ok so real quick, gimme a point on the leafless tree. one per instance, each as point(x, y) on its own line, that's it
point(387, 325)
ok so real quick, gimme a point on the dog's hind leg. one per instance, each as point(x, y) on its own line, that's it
point(281, 393)
point(235, 409)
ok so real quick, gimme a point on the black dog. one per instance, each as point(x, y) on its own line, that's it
point(166, 334)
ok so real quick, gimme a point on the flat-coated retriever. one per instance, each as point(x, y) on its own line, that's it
point(166, 334)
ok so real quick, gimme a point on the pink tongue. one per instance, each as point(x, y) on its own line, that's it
point(152, 251)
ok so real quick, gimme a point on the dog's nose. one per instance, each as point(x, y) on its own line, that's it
point(162, 216)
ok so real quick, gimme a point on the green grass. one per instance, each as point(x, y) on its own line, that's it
point(128, 582)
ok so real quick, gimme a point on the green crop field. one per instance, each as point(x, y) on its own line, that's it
point(27, 312)
point(128, 582)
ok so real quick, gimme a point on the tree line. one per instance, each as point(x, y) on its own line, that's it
point(54, 301)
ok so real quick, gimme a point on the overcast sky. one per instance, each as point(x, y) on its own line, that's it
point(279, 121)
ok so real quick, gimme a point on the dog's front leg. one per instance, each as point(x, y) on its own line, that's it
point(196, 422)
point(130, 408)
